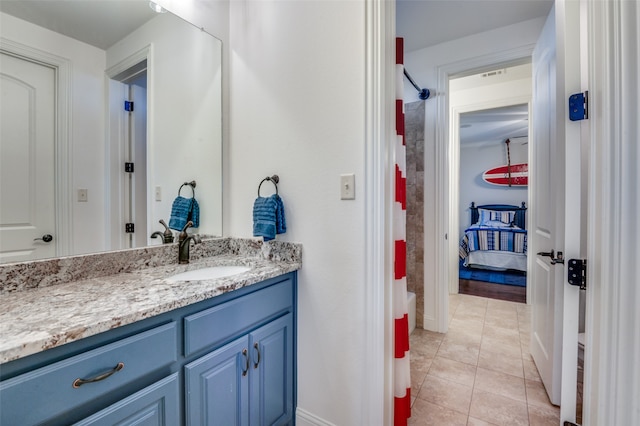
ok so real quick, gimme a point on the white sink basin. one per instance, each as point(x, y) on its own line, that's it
point(208, 273)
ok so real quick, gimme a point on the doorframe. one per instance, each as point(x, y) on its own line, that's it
point(454, 177)
point(63, 154)
point(445, 155)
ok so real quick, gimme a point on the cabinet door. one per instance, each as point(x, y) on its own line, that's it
point(271, 400)
point(217, 386)
point(155, 405)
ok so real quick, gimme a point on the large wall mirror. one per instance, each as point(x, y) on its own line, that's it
point(67, 68)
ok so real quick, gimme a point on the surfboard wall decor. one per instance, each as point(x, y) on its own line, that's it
point(508, 175)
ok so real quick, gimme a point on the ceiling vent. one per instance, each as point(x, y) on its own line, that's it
point(494, 73)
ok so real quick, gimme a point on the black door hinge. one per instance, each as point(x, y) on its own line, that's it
point(128, 106)
point(129, 228)
point(577, 273)
point(128, 167)
point(579, 106)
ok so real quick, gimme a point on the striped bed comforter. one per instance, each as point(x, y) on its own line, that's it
point(497, 239)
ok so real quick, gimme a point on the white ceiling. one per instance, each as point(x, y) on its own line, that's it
point(99, 23)
point(494, 126)
point(424, 23)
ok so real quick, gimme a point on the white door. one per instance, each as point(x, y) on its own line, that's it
point(27, 148)
point(556, 213)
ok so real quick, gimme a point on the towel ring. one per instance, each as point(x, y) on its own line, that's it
point(275, 179)
point(192, 184)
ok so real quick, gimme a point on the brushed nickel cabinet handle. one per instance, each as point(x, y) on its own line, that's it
point(79, 382)
point(245, 370)
point(257, 348)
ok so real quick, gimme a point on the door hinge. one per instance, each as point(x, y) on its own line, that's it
point(577, 273)
point(129, 228)
point(128, 106)
point(128, 167)
point(579, 106)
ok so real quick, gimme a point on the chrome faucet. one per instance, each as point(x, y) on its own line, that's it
point(166, 236)
point(183, 243)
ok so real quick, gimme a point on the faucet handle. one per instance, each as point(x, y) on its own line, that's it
point(189, 224)
point(163, 223)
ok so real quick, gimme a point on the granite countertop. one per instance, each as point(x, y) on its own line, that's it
point(40, 318)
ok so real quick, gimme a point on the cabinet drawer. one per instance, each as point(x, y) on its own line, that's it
point(158, 404)
point(221, 323)
point(50, 390)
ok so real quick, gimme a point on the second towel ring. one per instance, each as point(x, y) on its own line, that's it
point(275, 179)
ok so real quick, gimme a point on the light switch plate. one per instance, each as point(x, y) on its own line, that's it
point(83, 195)
point(348, 187)
point(158, 193)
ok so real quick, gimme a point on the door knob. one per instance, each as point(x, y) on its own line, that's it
point(47, 238)
point(550, 254)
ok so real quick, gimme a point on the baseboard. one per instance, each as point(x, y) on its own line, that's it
point(305, 418)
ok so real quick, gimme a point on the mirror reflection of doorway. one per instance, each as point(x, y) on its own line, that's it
point(128, 145)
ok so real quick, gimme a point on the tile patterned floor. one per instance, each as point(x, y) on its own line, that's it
point(480, 372)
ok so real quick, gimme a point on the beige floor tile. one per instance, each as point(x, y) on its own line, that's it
point(506, 334)
point(501, 346)
point(463, 335)
point(425, 342)
point(537, 394)
point(530, 370)
point(459, 350)
point(498, 409)
point(502, 362)
point(508, 321)
point(425, 413)
point(446, 394)
point(501, 384)
point(544, 416)
point(477, 422)
point(454, 371)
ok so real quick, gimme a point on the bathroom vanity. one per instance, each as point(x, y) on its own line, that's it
point(138, 348)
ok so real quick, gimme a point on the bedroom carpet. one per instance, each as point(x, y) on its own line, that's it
point(498, 277)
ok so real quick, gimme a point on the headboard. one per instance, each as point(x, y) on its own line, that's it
point(519, 220)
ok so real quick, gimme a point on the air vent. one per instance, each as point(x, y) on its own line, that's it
point(494, 73)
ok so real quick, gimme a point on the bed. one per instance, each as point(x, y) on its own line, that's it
point(497, 238)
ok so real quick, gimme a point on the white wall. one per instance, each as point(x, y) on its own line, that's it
point(475, 160)
point(427, 66)
point(297, 109)
point(86, 125)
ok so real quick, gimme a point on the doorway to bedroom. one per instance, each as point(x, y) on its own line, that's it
point(489, 116)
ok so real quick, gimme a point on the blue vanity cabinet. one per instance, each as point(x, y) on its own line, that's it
point(246, 382)
point(227, 360)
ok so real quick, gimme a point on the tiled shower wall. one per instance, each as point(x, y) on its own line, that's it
point(414, 139)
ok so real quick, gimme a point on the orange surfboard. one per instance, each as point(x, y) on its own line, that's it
point(513, 175)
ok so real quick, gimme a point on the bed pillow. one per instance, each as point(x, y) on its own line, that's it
point(497, 224)
point(485, 216)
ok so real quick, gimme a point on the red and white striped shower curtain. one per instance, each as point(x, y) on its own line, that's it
point(402, 371)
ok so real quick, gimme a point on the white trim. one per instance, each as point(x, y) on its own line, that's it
point(612, 346)
point(306, 418)
point(443, 153)
point(63, 150)
point(377, 407)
